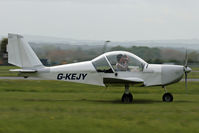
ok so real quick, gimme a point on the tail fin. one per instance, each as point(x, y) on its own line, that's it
point(21, 54)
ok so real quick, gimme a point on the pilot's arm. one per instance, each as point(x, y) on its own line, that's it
point(122, 67)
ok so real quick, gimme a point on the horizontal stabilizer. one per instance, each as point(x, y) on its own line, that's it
point(23, 70)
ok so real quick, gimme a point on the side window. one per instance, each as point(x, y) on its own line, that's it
point(101, 65)
point(135, 65)
point(123, 62)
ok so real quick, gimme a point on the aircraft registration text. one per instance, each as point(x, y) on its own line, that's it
point(71, 76)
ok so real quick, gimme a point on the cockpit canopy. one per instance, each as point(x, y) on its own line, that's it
point(118, 61)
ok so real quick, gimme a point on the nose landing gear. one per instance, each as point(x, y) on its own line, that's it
point(167, 97)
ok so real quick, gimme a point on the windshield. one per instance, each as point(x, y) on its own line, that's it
point(125, 61)
point(101, 64)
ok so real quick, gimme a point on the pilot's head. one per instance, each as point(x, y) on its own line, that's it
point(119, 56)
point(122, 58)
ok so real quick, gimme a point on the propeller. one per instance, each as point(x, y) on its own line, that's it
point(186, 69)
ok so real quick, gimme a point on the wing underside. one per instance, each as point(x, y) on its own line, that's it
point(122, 81)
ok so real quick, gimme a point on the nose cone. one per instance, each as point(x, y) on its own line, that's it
point(187, 69)
point(172, 73)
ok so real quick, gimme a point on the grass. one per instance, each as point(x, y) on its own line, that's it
point(193, 75)
point(55, 107)
point(4, 71)
point(195, 69)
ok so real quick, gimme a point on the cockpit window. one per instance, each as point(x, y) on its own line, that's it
point(101, 65)
point(125, 62)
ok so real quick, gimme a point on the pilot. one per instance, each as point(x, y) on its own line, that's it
point(122, 63)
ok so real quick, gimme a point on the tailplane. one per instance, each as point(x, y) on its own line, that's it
point(21, 54)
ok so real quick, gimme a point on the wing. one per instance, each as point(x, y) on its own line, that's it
point(132, 81)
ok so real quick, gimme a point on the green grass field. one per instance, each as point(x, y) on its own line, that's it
point(193, 75)
point(195, 68)
point(61, 107)
point(4, 71)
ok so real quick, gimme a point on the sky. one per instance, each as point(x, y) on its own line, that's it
point(115, 20)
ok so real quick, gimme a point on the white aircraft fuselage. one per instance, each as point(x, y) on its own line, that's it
point(85, 72)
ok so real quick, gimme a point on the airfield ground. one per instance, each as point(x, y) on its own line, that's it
point(53, 107)
point(4, 71)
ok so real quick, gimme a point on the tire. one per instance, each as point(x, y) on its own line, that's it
point(127, 98)
point(167, 97)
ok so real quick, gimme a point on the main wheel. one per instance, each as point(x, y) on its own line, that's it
point(127, 98)
point(167, 97)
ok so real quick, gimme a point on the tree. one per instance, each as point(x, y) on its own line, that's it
point(3, 45)
point(3, 51)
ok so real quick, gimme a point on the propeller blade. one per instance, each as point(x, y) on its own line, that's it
point(186, 80)
point(186, 68)
point(186, 59)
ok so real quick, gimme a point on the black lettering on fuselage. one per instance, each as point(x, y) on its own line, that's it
point(60, 76)
point(78, 77)
point(72, 76)
point(84, 75)
point(67, 76)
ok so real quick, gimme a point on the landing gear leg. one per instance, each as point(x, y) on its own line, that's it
point(127, 96)
point(167, 97)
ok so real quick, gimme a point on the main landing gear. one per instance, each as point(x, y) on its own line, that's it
point(127, 96)
point(167, 97)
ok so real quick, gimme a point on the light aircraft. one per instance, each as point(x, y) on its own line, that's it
point(111, 68)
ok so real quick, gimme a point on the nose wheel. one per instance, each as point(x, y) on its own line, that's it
point(127, 96)
point(167, 97)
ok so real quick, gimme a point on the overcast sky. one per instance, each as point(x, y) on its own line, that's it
point(117, 20)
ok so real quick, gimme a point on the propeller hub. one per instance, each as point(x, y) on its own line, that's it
point(187, 69)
